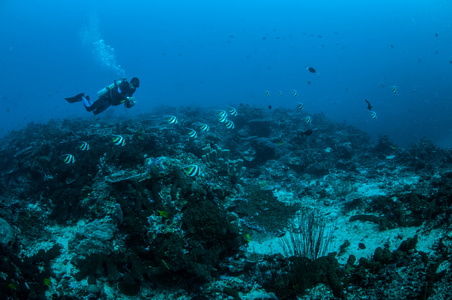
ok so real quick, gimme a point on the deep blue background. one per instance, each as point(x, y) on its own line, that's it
point(213, 53)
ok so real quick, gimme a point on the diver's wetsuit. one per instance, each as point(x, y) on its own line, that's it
point(115, 96)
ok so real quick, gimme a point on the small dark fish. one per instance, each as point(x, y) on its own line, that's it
point(307, 132)
point(369, 107)
point(269, 107)
point(436, 34)
point(311, 69)
point(281, 234)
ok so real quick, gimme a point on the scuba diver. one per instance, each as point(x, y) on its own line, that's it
point(116, 93)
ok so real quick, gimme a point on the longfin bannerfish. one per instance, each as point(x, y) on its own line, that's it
point(222, 113)
point(204, 127)
point(230, 125)
point(300, 105)
point(373, 114)
point(84, 146)
point(119, 140)
point(223, 119)
point(279, 93)
point(193, 170)
point(294, 93)
point(192, 133)
point(267, 94)
point(307, 119)
point(68, 159)
point(395, 89)
point(232, 111)
point(172, 120)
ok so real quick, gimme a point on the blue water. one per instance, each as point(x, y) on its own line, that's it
point(212, 53)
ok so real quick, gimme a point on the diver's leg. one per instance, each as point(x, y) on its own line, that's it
point(100, 109)
point(86, 101)
point(93, 106)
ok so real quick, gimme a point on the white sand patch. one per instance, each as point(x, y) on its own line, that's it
point(369, 189)
point(357, 232)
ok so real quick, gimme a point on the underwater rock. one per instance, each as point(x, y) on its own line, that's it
point(94, 238)
point(7, 237)
point(93, 289)
point(99, 229)
point(260, 210)
point(158, 167)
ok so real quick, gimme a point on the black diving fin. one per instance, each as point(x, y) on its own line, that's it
point(74, 99)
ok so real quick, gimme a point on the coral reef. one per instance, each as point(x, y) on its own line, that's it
point(172, 215)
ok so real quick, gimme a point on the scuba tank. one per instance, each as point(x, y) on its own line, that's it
point(104, 91)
